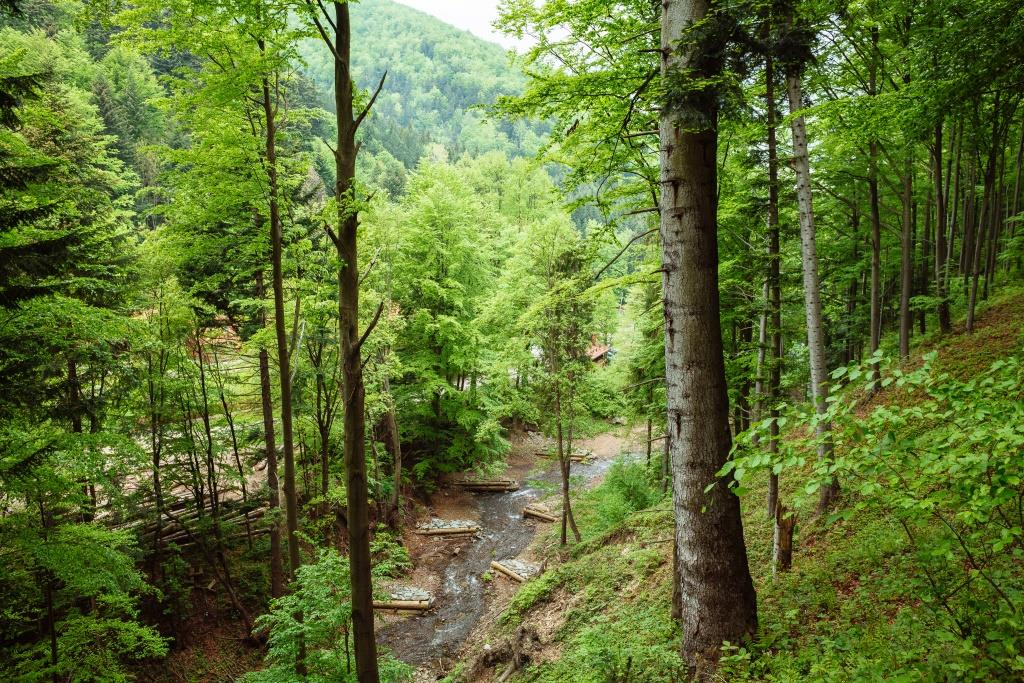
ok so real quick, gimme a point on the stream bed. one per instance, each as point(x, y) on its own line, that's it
point(461, 599)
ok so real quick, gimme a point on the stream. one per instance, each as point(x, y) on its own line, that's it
point(461, 600)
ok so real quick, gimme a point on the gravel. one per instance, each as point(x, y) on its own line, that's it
point(410, 593)
point(437, 523)
point(525, 569)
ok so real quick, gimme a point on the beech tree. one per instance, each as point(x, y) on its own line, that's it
point(345, 237)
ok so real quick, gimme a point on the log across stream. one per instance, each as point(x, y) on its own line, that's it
point(460, 601)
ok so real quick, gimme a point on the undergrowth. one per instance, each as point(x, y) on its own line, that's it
point(857, 604)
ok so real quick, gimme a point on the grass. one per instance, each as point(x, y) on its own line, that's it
point(847, 611)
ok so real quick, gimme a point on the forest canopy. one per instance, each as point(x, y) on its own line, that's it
point(314, 313)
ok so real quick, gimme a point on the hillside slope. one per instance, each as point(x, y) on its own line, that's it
point(874, 593)
point(437, 77)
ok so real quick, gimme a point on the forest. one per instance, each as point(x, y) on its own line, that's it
point(340, 344)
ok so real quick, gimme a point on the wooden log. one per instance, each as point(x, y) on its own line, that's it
point(454, 531)
point(536, 513)
point(506, 485)
point(418, 605)
point(486, 482)
point(499, 567)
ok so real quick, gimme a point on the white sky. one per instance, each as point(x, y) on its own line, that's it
point(475, 16)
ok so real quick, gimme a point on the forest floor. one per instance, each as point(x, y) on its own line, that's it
point(846, 611)
point(470, 597)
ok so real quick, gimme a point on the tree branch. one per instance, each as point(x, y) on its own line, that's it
point(369, 328)
point(623, 251)
point(366, 109)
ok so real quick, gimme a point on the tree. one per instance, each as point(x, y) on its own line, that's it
point(718, 601)
point(809, 250)
point(345, 238)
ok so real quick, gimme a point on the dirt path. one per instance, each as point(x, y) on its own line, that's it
point(454, 570)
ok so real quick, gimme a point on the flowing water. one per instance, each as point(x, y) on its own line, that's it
point(460, 602)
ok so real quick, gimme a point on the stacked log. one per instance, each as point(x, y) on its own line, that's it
point(487, 485)
point(399, 605)
point(447, 527)
point(406, 598)
point(517, 570)
point(510, 573)
point(537, 512)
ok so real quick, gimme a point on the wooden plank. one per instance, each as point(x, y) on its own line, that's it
point(499, 567)
point(454, 531)
point(536, 513)
point(417, 605)
point(502, 485)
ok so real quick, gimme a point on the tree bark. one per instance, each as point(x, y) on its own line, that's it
point(350, 356)
point(812, 285)
point(986, 227)
point(270, 450)
point(926, 242)
point(280, 329)
point(941, 265)
point(1019, 166)
point(717, 594)
point(907, 257)
point(395, 448)
point(876, 221)
point(774, 281)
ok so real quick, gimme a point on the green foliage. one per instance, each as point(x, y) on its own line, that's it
point(320, 595)
point(940, 464)
point(87, 575)
point(437, 78)
point(390, 557)
point(613, 591)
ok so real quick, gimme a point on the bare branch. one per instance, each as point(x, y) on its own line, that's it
point(623, 250)
point(369, 329)
point(369, 267)
point(366, 109)
point(334, 238)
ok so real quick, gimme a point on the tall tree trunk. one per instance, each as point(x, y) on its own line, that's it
point(280, 328)
point(941, 264)
point(1019, 166)
point(568, 463)
point(350, 356)
point(876, 221)
point(907, 257)
point(394, 441)
point(954, 210)
point(718, 601)
point(853, 290)
point(774, 283)
point(270, 450)
point(812, 284)
point(926, 244)
point(986, 227)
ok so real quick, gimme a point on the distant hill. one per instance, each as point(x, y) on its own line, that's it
point(436, 75)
